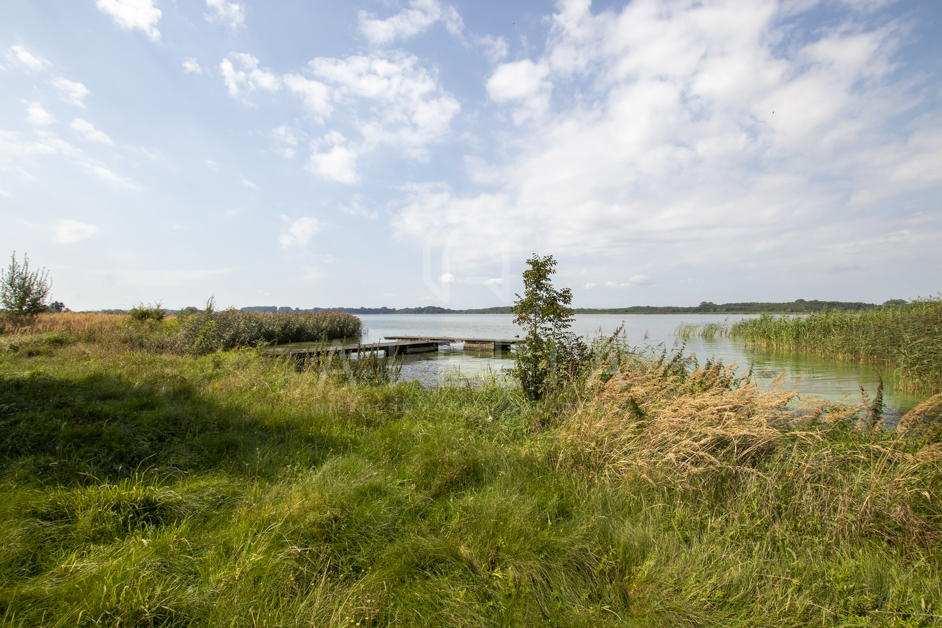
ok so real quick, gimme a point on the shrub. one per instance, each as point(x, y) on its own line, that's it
point(549, 349)
point(143, 312)
point(22, 292)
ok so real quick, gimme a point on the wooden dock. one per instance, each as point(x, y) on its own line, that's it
point(389, 349)
point(472, 344)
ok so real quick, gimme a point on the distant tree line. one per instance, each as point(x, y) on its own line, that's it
point(800, 306)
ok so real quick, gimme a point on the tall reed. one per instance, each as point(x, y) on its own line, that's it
point(907, 337)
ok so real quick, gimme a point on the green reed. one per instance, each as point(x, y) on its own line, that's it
point(707, 331)
point(907, 337)
point(209, 331)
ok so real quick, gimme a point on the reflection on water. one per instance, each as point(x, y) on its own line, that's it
point(822, 378)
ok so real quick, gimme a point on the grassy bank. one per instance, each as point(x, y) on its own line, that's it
point(156, 489)
point(907, 337)
point(196, 334)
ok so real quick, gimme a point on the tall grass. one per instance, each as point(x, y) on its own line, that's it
point(86, 327)
point(161, 489)
point(201, 333)
point(208, 331)
point(908, 337)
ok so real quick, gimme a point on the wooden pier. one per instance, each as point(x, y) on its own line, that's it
point(472, 344)
point(389, 349)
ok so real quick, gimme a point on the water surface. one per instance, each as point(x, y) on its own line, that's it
point(822, 378)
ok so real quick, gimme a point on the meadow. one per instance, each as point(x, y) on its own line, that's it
point(147, 487)
point(906, 337)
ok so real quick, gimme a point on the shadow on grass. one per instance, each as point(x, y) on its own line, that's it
point(104, 429)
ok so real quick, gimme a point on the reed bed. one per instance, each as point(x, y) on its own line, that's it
point(907, 337)
point(207, 332)
point(707, 331)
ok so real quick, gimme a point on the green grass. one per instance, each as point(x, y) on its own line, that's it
point(908, 337)
point(231, 489)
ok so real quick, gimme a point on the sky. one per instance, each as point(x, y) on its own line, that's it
point(403, 153)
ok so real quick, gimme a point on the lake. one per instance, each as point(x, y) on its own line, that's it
point(823, 378)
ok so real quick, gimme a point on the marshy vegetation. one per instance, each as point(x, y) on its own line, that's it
point(149, 328)
point(146, 487)
point(906, 337)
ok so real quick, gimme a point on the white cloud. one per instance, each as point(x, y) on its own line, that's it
point(661, 143)
point(399, 101)
point(109, 176)
point(36, 114)
point(637, 280)
point(316, 95)
point(337, 164)
point(287, 142)
point(524, 83)
point(249, 78)
point(190, 66)
point(249, 184)
point(387, 98)
point(133, 14)
point(88, 131)
point(418, 18)
point(494, 281)
point(356, 208)
point(71, 92)
point(494, 47)
point(300, 231)
point(447, 278)
point(222, 11)
point(590, 285)
point(71, 231)
point(25, 154)
point(28, 59)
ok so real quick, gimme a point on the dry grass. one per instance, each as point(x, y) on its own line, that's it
point(88, 327)
point(645, 418)
point(726, 445)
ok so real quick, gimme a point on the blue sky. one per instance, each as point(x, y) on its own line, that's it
point(415, 152)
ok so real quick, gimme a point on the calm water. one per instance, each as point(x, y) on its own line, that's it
point(822, 378)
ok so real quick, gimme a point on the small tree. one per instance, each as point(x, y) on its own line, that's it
point(549, 349)
point(23, 292)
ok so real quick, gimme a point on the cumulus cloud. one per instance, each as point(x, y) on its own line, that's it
point(447, 278)
point(37, 114)
point(249, 78)
point(300, 231)
point(229, 12)
point(661, 142)
point(71, 92)
point(316, 94)
point(417, 18)
point(337, 164)
point(28, 59)
point(387, 99)
point(133, 14)
point(88, 131)
point(190, 66)
point(524, 84)
point(400, 101)
point(71, 231)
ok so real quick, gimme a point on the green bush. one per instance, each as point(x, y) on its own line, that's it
point(143, 312)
